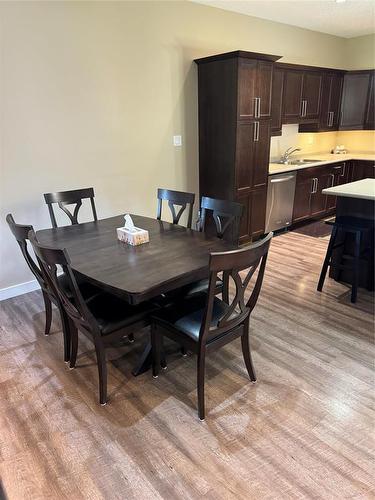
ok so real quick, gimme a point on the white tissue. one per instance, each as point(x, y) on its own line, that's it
point(129, 224)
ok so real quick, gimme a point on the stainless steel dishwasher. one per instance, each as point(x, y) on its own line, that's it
point(280, 199)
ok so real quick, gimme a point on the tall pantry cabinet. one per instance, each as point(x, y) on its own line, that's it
point(234, 92)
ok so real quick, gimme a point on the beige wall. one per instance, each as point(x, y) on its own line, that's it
point(92, 93)
point(360, 52)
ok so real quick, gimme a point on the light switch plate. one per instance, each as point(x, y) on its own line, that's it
point(177, 140)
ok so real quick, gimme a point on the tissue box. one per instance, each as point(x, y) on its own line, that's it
point(134, 236)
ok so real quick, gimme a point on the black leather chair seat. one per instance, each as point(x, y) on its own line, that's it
point(112, 313)
point(187, 316)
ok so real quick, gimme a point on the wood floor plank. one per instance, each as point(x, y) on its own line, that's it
point(304, 430)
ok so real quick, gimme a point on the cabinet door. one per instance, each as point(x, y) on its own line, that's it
point(325, 116)
point(292, 96)
point(335, 100)
point(247, 75)
point(245, 155)
point(258, 212)
point(362, 170)
point(254, 214)
point(276, 104)
point(323, 179)
point(370, 113)
point(261, 158)
point(311, 92)
point(302, 197)
point(354, 100)
point(264, 88)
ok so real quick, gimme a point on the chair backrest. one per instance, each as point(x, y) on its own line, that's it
point(231, 264)
point(178, 198)
point(226, 215)
point(21, 232)
point(64, 198)
point(75, 306)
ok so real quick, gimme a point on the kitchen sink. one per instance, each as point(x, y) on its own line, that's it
point(300, 161)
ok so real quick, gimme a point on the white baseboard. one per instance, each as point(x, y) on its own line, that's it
point(13, 291)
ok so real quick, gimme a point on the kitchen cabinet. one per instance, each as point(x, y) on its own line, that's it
point(301, 94)
point(311, 93)
point(355, 100)
point(361, 169)
point(330, 102)
point(234, 99)
point(254, 96)
point(277, 99)
point(370, 112)
point(309, 202)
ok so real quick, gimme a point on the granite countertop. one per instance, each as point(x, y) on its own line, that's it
point(364, 189)
point(321, 159)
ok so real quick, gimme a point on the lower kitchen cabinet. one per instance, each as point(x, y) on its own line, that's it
point(253, 218)
point(309, 202)
point(361, 169)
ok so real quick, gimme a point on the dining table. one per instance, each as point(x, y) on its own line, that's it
point(174, 256)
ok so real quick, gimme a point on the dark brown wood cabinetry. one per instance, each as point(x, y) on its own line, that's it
point(277, 100)
point(355, 100)
point(234, 132)
point(309, 202)
point(330, 101)
point(301, 96)
point(370, 112)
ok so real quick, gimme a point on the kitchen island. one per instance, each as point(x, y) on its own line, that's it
point(355, 199)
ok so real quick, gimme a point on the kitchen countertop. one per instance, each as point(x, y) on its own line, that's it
point(364, 189)
point(321, 159)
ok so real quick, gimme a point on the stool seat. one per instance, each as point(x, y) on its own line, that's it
point(346, 224)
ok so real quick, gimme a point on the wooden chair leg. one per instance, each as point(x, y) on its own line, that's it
point(74, 344)
point(155, 348)
point(247, 355)
point(48, 308)
point(200, 383)
point(327, 259)
point(357, 252)
point(65, 323)
point(102, 371)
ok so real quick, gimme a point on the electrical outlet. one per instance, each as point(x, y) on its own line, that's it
point(177, 140)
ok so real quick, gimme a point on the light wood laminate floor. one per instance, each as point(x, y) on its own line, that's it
point(304, 430)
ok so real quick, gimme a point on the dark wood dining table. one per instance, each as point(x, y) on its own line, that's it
point(174, 256)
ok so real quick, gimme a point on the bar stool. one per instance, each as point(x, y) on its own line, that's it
point(358, 227)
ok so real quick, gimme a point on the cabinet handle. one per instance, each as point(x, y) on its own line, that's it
point(330, 119)
point(313, 186)
point(256, 131)
point(333, 115)
point(343, 170)
point(333, 179)
point(256, 107)
point(304, 107)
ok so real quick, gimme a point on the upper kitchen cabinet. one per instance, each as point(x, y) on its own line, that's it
point(311, 94)
point(254, 88)
point(234, 98)
point(370, 113)
point(301, 94)
point(277, 100)
point(330, 101)
point(356, 100)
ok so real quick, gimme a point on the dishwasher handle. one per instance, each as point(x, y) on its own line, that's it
point(282, 179)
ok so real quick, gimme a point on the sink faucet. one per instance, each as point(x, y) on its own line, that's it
point(285, 157)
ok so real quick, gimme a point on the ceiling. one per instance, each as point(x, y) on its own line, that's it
point(347, 19)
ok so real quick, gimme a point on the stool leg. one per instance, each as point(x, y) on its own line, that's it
point(327, 258)
point(357, 252)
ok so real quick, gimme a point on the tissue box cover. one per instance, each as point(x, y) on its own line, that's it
point(135, 236)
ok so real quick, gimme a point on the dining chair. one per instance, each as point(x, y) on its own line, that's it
point(74, 197)
point(21, 232)
point(225, 213)
point(204, 323)
point(179, 199)
point(103, 318)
